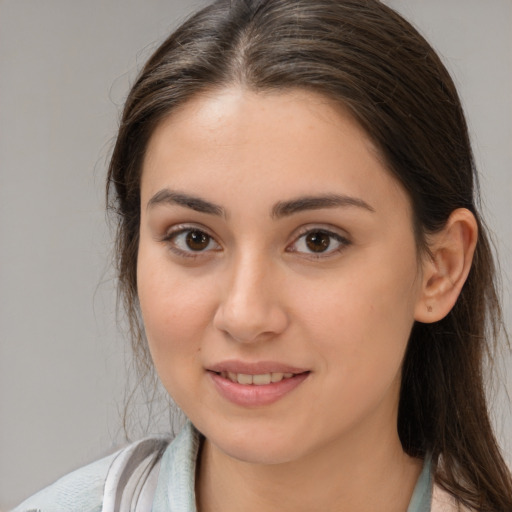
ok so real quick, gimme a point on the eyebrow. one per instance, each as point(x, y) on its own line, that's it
point(286, 208)
point(167, 196)
point(279, 210)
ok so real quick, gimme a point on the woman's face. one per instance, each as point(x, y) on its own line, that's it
point(277, 274)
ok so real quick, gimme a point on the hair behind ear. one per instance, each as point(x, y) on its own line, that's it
point(443, 403)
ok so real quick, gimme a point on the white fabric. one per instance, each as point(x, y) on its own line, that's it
point(170, 486)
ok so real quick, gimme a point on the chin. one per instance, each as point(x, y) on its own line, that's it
point(255, 451)
point(256, 443)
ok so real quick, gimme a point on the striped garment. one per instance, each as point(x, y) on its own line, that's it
point(158, 476)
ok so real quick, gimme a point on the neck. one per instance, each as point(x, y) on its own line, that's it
point(349, 475)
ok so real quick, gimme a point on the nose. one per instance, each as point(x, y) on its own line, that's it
point(251, 308)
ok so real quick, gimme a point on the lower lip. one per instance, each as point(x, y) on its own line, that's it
point(253, 395)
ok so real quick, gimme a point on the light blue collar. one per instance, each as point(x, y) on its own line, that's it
point(175, 490)
point(421, 500)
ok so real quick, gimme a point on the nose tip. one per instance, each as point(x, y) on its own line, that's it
point(251, 310)
point(248, 329)
point(236, 326)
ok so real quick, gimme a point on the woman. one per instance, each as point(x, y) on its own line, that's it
point(297, 226)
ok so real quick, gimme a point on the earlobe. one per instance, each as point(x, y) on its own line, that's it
point(446, 270)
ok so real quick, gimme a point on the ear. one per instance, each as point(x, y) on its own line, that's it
point(445, 271)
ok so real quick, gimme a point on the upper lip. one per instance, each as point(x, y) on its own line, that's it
point(254, 368)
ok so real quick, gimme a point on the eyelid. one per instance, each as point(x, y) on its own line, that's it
point(178, 229)
point(185, 226)
point(334, 232)
point(341, 237)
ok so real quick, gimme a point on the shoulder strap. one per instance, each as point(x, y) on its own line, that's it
point(132, 478)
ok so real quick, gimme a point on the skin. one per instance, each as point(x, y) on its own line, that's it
point(257, 292)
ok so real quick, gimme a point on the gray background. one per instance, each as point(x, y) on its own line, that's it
point(65, 66)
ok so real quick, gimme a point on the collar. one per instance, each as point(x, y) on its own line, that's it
point(175, 490)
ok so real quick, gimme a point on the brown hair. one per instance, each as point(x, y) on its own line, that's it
point(365, 56)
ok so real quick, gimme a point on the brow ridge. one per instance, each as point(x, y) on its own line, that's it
point(167, 196)
point(304, 203)
point(279, 210)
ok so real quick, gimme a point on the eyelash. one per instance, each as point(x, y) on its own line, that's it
point(342, 242)
point(171, 237)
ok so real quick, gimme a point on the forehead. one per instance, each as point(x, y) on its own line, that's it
point(276, 144)
point(237, 116)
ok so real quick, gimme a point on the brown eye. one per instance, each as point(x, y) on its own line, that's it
point(197, 240)
point(191, 242)
point(318, 241)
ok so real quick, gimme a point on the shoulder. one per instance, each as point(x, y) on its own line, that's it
point(81, 490)
point(86, 489)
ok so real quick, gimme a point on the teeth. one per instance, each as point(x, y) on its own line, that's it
point(257, 380)
point(276, 377)
point(242, 378)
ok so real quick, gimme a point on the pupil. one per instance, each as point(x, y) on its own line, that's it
point(197, 240)
point(318, 241)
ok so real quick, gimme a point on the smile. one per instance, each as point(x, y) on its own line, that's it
point(256, 380)
point(255, 385)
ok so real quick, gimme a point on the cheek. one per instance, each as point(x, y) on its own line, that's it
point(361, 334)
point(362, 320)
point(176, 311)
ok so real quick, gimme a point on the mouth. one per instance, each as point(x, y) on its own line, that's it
point(255, 384)
point(260, 379)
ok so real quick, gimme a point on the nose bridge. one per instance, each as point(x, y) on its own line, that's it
point(250, 305)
